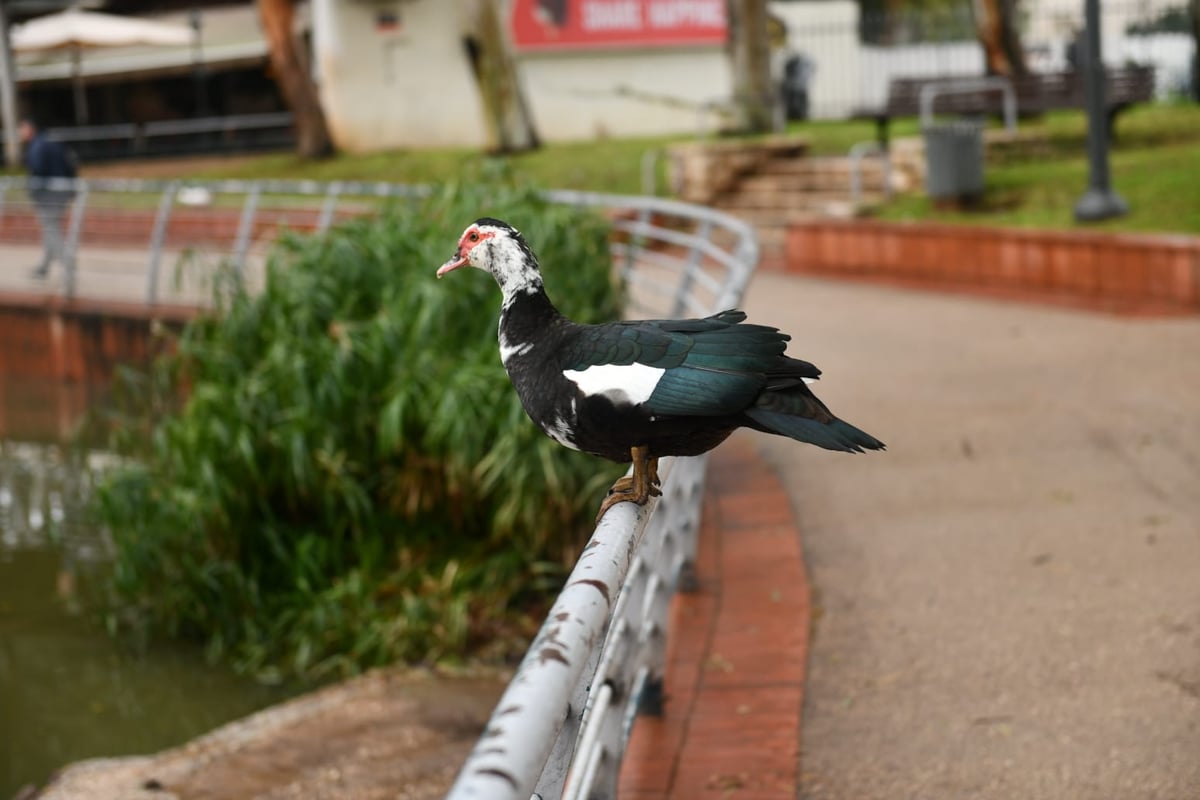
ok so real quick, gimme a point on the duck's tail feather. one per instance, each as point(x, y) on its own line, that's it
point(832, 434)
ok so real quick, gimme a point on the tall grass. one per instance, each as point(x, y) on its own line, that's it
point(351, 480)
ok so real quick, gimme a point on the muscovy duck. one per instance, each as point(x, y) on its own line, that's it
point(637, 391)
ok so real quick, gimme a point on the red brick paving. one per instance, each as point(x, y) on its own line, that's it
point(736, 654)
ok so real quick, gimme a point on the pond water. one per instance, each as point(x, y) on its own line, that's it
point(67, 690)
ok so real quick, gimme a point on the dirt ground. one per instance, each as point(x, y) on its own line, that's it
point(386, 734)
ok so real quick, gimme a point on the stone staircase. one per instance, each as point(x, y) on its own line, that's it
point(771, 183)
point(785, 190)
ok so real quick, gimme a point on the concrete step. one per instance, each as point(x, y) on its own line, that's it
point(821, 181)
point(821, 166)
point(768, 218)
point(793, 201)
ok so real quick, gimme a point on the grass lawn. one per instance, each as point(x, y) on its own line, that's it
point(606, 165)
point(1159, 184)
point(1155, 167)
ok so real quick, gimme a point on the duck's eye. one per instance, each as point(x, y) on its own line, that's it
point(474, 237)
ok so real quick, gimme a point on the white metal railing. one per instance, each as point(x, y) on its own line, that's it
point(677, 257)
point(561, 728)
point(857, 153)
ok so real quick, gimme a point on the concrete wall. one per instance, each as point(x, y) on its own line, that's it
point(582, 95)
point(79, 341)
point(410, 86)
point(413, 87)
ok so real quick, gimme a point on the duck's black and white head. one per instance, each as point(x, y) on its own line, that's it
point(497, 247)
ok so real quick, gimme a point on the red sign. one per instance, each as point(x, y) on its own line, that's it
point(574, 24)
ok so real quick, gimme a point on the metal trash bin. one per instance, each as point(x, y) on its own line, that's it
point(954, 160)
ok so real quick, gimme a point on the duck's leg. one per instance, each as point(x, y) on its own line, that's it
point(636, 488)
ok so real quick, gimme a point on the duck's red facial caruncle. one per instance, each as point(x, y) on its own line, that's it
point(471, 237)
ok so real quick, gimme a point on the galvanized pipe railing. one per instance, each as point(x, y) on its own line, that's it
point(859, 151)
point(562, 725)
point(665, 240)
point(561, 728)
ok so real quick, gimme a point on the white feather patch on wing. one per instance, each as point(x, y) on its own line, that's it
point(622, 383)
point(508, 350)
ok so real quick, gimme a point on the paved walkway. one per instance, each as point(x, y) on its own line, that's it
point(1006, 603)
point(119, 273)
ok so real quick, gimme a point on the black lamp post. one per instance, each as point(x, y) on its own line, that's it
point(1100, 201)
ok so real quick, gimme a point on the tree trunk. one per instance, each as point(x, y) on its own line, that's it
point(751, 53)
point(996, 23)
point(510, 125)
point(289, 63)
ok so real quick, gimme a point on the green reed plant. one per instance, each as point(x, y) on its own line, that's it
point(351, 480)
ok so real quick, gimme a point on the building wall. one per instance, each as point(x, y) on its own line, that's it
point(407, 86)
point(414, 88)
point(581, 95)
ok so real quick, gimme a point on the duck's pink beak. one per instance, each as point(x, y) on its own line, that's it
point(456, 261)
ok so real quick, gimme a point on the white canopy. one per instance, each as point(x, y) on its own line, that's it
point(77, 30)
point(83, 29)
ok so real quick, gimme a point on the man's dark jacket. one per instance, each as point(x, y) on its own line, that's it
point(46, 158)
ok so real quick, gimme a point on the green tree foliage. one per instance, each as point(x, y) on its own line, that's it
point(351, 480)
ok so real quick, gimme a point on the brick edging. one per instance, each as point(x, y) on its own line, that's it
point(1110, 271)
point(81, 340)
point(737, 651)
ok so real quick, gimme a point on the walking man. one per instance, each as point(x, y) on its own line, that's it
point(48, 159)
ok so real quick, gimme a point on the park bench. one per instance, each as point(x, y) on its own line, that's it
point(1035, 94)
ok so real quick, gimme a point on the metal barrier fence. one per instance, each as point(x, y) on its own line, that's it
point(162, 241)
point(225, 134)
point(561, 727)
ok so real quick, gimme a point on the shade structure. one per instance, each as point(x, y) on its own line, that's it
point(74, 28)
point(77, 30)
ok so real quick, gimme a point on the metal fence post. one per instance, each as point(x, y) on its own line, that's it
point(159, 234)
point(636, 241)
point(71, 248)
point(328, 207)
point(857, 152)
point(704, 231)
point(245, 228)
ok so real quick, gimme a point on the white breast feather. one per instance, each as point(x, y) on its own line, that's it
point(628, 383)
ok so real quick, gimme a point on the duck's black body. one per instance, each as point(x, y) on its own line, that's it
point(642, 390)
